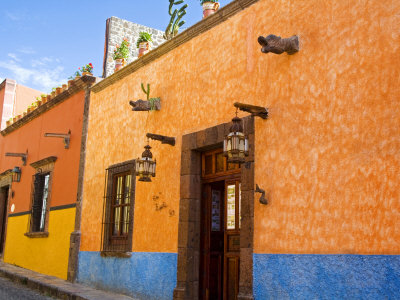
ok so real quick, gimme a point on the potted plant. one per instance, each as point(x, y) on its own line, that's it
point(9, 122)
point(64, 86)
point(209, 7)
point(70, 81)
point(87, 69)
point(14, 119)
point(19, 117)
point(143, 43)
point(38, 101)
point(121, 53)
point(24, 113)
point(53, 92)
point(44, 98)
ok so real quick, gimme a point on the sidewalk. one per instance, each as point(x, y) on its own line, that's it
point(56, 287)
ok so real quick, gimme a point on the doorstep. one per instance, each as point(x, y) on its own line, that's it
point(54, 286)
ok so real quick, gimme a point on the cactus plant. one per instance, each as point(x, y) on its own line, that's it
point(175, 22)
point(148, 90)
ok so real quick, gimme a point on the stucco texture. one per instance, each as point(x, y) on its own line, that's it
point(328, 155)
point(283, 276)
point(44, 255)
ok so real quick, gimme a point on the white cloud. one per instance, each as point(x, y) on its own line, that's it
point(26, 50)
point(43, 78)
point(14, 57)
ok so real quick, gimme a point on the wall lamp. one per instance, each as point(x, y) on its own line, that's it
point(146, 166)
point(16, 174)
point(23, 156)
point(66, 137)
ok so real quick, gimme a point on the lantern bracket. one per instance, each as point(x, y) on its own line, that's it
point(162, 138)
point(66, 137)
point(256, 111)
point(262, 200)
point(22, 155)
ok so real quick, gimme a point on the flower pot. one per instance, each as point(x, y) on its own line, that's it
point(8, 123)
point(70, 83)
point(77, 77)
point(119, 63)
point(44, 99)
point(209, 8)
point(59, 91)
point(14, 119)
point(87, 73)
point(19, 117)
point(64, 86)
point(143, 48)
point(24, 113)
point(53, 94)
point(38, 103)
point(49, 97)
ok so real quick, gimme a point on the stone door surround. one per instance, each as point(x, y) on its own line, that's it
point(189, 210)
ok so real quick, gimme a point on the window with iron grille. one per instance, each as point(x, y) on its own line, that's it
point(118, 207)
point(40, 202)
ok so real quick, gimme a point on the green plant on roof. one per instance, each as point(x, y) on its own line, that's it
point(204, 1)
point(175, 22)
point(143, 38)
point(122, 51)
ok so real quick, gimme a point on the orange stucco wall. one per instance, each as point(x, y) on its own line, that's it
point(327, 156)
point(63, 117)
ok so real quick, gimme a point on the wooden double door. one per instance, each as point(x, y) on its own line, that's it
point(220, 236)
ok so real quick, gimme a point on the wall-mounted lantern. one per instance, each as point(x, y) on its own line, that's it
point(236, 145)
point(16, 174)
point(146, 166)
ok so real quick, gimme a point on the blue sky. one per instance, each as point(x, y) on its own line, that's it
point(44, 42)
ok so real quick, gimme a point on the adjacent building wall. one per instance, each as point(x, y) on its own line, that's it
point(327, 156)
point(14, 99)
point(116, 30)
point(48, 255)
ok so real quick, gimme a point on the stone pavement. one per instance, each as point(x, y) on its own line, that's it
point(56, 287)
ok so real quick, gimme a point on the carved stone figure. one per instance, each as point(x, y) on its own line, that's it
point(277, 45)
point(146, 105)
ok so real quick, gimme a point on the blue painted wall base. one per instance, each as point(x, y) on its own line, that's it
point(286, 276)
point(143, 275)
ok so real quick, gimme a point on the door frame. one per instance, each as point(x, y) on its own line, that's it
point(6, 180)
point(193, 145)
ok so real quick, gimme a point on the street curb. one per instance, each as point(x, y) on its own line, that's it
point(55, 287)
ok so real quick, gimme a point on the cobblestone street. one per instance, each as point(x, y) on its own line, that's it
point(14, 291)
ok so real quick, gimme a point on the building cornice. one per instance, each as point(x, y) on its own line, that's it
point(80, 84)
point(204, 25)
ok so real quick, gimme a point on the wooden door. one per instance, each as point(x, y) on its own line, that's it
point(3, 215)
point(220, 228)
point(232, 239)
point(212, 241)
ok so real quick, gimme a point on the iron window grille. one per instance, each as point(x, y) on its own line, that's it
point(40, 202)
point(118, 207)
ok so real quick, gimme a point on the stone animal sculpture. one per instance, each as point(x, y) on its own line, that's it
point(146, 105)
point(278, 45)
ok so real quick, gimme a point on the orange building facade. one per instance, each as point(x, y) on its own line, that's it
point(327, 159)
point(39, 208)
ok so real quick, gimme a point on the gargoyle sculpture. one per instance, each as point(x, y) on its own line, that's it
point(277, 45)
point(146, 105)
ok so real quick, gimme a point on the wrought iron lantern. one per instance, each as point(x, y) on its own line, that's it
point(16, 174)
point(236, 145)
point(146, 166)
